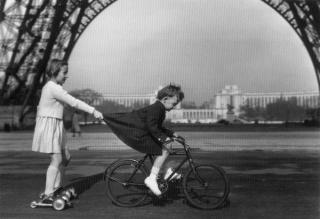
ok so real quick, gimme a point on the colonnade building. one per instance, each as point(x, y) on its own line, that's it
point(232, 95)
point(128, 100)
point(132, 100)
point(196, 115)
point(304, 99)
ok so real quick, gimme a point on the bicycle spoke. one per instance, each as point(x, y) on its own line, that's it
point(123, 192)
point(207, 187)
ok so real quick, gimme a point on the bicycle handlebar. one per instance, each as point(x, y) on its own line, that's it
point(179, 140)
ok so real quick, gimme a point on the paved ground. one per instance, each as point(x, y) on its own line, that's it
point(264, 184)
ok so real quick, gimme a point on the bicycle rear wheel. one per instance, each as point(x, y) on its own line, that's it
point(125, 184)
point(206, 187)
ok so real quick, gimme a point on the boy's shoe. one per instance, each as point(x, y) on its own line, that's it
point(169, 172)
point(152, 184)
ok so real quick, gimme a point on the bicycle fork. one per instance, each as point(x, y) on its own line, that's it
point(192, 166)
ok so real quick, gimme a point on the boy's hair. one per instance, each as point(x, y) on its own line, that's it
point(54, 67)
point(170, 91)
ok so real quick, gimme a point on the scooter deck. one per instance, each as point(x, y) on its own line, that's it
point(35, 204)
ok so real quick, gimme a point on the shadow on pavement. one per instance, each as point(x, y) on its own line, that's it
point(82, 184)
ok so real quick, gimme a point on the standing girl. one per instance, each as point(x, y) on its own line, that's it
point(49, 134)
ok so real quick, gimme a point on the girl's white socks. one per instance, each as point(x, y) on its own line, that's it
point(51, 178)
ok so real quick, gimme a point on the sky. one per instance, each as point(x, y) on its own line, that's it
point(134, 46)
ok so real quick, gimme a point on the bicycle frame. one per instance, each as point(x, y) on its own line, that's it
point(129, 174)
point(186, 153)
point(188, 158)
point(141, 163)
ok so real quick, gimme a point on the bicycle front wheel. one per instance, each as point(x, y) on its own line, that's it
point(206, 187)
point(125, 184)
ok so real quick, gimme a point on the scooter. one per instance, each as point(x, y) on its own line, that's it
point(61, 199)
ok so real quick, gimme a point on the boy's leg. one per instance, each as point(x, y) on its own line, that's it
point(151, 180)
point(159, 161)
point(168, 170)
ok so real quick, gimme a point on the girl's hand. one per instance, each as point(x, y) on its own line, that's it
point(97, 115)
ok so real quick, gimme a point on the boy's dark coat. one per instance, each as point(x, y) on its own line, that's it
point(141, 129)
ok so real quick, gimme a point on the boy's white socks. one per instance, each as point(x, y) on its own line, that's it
point(151, 181)
point(154, 171)
point(169, 172)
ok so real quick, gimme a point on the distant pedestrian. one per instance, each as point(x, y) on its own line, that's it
point(49, 134)
point(75, 124)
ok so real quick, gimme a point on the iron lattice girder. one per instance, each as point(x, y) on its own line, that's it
point(78, 16)
point(25, 35)
point(304, 18)
point(22, 38)
point(25, 31)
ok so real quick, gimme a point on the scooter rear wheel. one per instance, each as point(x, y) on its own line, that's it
point(59, 204)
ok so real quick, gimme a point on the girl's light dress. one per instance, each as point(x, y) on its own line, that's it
point(49, 134)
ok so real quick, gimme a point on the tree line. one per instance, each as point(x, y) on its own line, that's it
point(281, 110)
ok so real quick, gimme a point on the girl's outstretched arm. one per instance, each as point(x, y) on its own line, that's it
point(62, 95)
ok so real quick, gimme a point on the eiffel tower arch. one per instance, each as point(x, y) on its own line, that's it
point(34, 31)
point(304, 17)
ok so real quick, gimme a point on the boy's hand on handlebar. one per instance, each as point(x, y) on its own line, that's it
point(168, 140)
point(179, 138)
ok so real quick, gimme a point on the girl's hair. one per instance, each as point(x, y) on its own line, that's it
point(170, 91)
point(54, 67)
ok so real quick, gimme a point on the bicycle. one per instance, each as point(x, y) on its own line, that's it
point(204, 186)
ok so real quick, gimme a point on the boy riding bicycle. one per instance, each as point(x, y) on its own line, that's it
point(143, 131)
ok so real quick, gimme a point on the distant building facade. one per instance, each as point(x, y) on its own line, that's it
point(232, 95)
point(304, 99)
point(229, 95)
point(128, 100)
point(196, 115)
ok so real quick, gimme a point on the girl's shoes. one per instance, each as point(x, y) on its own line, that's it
point(47, 199)
point(42, 194)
